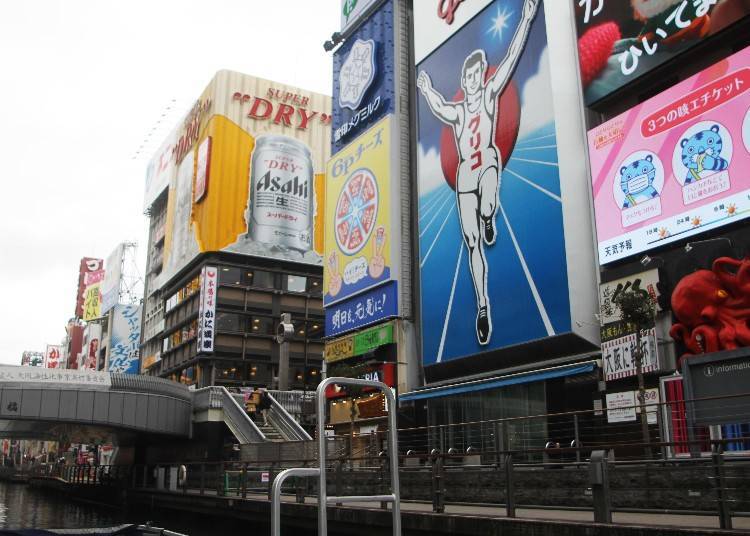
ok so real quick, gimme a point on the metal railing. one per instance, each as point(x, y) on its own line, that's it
point(238, 421)
point(287, 425)
point(294, 401)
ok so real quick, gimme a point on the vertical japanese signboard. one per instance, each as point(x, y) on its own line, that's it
point(675, 165)
point(618, 338)
point(52, 356)
point(92, 337)
point(87, 266)
point(92, 296)
point(621, 41)
point(492, 247)
point(207, 309)
point(352, 11)
point(361, 233)
point(125, 338)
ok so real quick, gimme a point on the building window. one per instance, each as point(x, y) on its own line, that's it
point(259, 372)
point(296, 283)
point(263, 279)
point(315, 330)
point(262, 325)
point(230, 276)
point(230, 322)
point(227, 370)
point(315, 286)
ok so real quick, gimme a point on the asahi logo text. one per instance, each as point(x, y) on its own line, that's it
point(709, 371)
point(446, 10)
point(292, 186)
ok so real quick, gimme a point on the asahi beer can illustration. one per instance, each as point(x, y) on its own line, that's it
point(281, 204)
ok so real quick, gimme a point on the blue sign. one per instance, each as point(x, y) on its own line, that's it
point(492, 248)
point(362, 310)
point(363, 78)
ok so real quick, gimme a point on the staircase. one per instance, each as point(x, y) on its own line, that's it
point(271, 433)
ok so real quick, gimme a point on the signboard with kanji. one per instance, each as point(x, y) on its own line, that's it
point(207, 309)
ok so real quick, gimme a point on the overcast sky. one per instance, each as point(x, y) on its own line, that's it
point(84, 86)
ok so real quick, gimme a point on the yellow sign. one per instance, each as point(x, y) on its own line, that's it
point(339, 349)
point(358, 215)
point(92, 302)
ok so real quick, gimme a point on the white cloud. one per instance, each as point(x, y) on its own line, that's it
point(430, 172)
point(537, 99)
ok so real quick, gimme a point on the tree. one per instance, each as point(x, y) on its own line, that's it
point(637, 308)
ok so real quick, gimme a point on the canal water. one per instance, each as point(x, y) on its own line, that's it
point(24, 507)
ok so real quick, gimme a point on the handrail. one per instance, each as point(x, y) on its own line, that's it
point(288, 425)
point(239, 422)
point(395, 497)
point(276, 493)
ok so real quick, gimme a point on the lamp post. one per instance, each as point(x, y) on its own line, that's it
point(284, 332)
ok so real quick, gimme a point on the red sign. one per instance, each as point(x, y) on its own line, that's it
point(382, 372)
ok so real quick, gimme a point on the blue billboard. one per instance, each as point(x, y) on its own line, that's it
point(125, 338)
point(362, 310)
point(492, 249)
point(363, 78)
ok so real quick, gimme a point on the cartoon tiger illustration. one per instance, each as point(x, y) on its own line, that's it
point(701, 152)
point(637, 181)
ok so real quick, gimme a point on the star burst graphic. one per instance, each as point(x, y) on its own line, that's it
point(500, 22)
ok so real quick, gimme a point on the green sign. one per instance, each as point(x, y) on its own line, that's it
point(359, 343)
point(372, 338)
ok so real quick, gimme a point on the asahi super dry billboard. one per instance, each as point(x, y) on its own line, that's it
point(246, 173)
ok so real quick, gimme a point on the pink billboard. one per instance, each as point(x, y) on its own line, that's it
point(675, 165)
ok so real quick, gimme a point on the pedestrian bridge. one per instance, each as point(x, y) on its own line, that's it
point(85, 406)
point(45, 403)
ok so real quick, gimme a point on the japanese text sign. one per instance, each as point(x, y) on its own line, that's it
point(9, 374)
point(125, 339)
point(621, 41)
point(674, 166)
point(362, 310)
point(359, 231)
point(363, 78)
point(207, 309)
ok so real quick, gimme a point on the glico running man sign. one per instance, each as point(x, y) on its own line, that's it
point(492, 251)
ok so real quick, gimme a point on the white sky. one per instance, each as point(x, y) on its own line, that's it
point(82, 84)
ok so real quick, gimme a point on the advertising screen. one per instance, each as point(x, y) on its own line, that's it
point(32, 359)
point(675, 165)
point(492, 250)
point(620, 41)
point(246, 173)
point(125, 338)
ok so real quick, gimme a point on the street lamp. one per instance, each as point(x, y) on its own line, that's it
point(284, 332)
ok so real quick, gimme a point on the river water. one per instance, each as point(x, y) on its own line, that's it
point(24, 507)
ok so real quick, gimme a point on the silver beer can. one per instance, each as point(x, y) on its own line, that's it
point(281, 203)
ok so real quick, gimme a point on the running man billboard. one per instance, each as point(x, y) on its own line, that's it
point(493, 264)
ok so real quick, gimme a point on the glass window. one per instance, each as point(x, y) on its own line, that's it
point(262, 325)
point(227, 370)
point(263, 279)
point(230, 276)
point(314, 286)
point(315, 330)
point(259, 372)
point(296, 283)
point(230, 322)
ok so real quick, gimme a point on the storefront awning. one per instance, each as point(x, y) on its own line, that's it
point(500, 381)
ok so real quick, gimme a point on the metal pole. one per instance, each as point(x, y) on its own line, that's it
point(725, 515)
point(510, 499)
point(577, 437)
point(284, 332)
